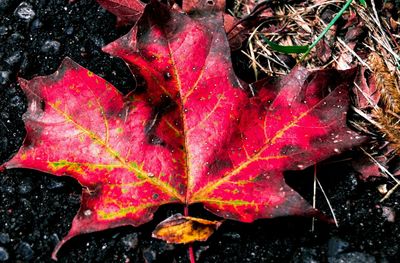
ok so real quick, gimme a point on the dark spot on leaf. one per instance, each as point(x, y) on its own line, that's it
point(218, 165)
point(290, 149)
point(42, 105)
point(195, 225)
point(165, 105)
point(261, 177)
point(167, 76)
point(155, 140)
point(147, 55)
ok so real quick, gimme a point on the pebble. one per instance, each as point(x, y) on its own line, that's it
point(149, 255)
point(24, 63)
point(16, 38)
point(4, 77)
point(51, 46)
point(5, 4)
point(26, 186)
point(4, 238)
point(130, 241)
point(4, 115)
point(69, 30)
point(3, 145)
point(7, 189)
point(3, 30)
point(54, 184)
point(232, 235)
point(24, 251)
point(54, 239)
point(25, 12)
point(199, 252)
point(389, 214)
point(36, 24)
point(336, 246)
point(3, 254)
point(352, 257)
point(306, 255)
point(353, 181)
point(17, 102)
point(14, 59)
point(98, 41)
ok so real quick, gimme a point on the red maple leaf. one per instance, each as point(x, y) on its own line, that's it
point(126, 11)
point(195, 136)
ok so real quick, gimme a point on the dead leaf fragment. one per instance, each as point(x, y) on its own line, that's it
point(179, 229)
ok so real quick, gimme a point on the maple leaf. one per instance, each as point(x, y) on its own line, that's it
point(195, 136)
point(126, 11)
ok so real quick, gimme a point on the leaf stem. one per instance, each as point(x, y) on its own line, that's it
point(190, 249)
point(191, 254)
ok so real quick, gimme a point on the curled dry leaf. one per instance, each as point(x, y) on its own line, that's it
point(195, 136)
point(181, 229)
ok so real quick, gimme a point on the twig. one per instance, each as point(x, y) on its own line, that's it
point(354, 53)
point(314, 197)
point(328, 202)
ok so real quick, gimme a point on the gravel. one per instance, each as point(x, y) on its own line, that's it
point(36, 209)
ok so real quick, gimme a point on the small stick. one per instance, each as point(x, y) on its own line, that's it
point(314, 202)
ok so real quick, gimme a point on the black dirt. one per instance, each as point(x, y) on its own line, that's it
point(36, 209)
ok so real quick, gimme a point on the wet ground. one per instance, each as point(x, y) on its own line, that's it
point(36, 209)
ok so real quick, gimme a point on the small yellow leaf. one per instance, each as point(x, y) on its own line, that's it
point(181, 229)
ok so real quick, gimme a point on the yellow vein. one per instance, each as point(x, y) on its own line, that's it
point(103, 114)
point(226, 177)
point(170, 125)
point(193, 88)
point(166, 187)
point(228, 202)
point(207, 116)
point(200, 194)
point(183, 117)
point(153, 77)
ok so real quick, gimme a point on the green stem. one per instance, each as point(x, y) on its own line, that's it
point(333, 21)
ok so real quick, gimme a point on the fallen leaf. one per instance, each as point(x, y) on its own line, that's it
point(354, 32)
point(368, 168)
point(366, 92)
point(189, 6)
point(324, 51)
point(181, 229)
point(195, 136)
point(126, 11)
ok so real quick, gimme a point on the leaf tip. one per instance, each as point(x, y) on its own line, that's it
point(123, 46)
point(22, 82)
point(60, 245)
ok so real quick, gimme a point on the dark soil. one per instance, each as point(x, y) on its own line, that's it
point(36, 209)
